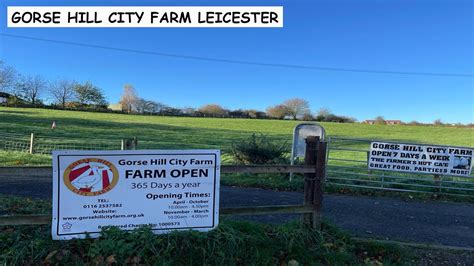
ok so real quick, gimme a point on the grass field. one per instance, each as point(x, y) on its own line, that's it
point(156, 132)
point(88, 130)
point(226, 245)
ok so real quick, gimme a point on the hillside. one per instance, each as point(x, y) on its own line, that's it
point(189, 132)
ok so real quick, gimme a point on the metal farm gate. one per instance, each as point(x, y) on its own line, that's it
point(347, 160)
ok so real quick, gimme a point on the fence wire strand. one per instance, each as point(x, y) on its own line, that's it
point(346, 163)
point(45, 145)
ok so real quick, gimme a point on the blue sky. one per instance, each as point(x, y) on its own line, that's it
point(418, 36)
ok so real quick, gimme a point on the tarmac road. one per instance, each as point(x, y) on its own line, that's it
point(432, 222)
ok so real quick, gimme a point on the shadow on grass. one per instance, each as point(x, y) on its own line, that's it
point(150, 136)
point(15, 112)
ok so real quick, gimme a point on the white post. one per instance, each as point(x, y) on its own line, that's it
point(32, 142)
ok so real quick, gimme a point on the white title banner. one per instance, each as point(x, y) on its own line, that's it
point(426, 159)
point(164, 190)
point(145, 16)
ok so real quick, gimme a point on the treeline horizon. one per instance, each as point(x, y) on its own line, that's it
point(67, 94)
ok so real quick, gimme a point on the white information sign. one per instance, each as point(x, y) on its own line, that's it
point(162, 189)
point(426, 159)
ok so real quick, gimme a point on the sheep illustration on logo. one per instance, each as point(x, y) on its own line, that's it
point(91, 176)
point(461, 162)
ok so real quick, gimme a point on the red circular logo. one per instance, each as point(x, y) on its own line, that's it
point(90, 176)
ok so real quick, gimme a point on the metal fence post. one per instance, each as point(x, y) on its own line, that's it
point(32, 143)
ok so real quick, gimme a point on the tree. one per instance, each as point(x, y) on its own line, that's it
point(167, 110)
point(8, 77)
point(252, 113)
point(30, 88)
point(238, 114)
point(278, 111)
point(88, 94)
point(438, 122)
point(62, 91)
point(188, 111)
point(415, 123)
point(307, 117)
point(323, 111)
point(147, 106)
point(296, 107)
point(213, 110)
point(323, 114)
point(379, 120)
point(129, 98)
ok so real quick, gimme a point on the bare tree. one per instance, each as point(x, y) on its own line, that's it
point(297, 107)
point(62, 91)
point(323, 111)
point(324, 114)
point(213, 110)
point(8, 77)
point(278, 111)
point(31, 88)
point(129, 98)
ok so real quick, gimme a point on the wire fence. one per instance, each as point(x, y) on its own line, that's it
point(44, 145)
point(41, 144)
point(347, 160)
point(14, 142)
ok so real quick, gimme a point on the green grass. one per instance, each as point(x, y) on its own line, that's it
point(88, 130)
point(187, 132)
point(11, 158)
point(232, 243)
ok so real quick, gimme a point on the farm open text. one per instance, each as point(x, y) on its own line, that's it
point(162, 173)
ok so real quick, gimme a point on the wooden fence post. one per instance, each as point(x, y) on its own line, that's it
point(309, 159)
point(32, 143)
point(318, 184)
point(129, 144)
point(315, 154)
point(437, 182)
point(134, 143)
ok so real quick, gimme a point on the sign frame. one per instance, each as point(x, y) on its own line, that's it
point(425, 145)
point(212, 183)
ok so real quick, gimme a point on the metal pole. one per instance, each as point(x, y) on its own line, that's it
point(292, 159)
